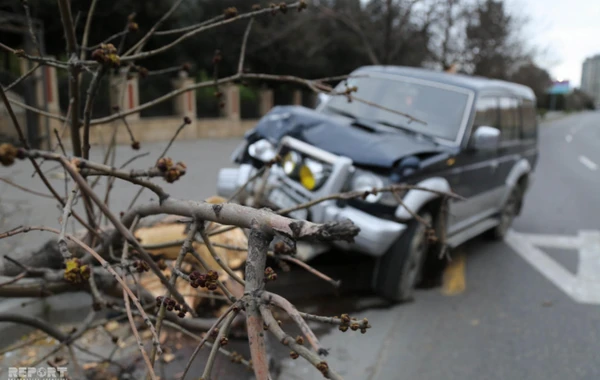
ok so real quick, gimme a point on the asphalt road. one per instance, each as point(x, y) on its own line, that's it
point(511, 321)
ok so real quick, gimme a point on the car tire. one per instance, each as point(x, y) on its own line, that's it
point(400, 268)
point(508, 213)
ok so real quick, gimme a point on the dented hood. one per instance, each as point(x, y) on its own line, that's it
point(337, 135)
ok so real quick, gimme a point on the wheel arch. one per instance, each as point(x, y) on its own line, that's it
point(518, 177)
point(416, 199)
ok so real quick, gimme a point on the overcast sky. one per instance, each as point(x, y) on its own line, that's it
point(569, 29)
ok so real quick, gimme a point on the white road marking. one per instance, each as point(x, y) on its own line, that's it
point(584, 287)
point(588, 163)
point(568, 138)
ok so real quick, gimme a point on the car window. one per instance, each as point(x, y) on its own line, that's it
point(509, 119)
point(528, 113)
point(440, 106)
point(486, 112)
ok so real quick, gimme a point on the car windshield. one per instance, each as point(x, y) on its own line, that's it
point(442, 108)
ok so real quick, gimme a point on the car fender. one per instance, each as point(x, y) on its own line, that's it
point(519, 169)
point(415, 199)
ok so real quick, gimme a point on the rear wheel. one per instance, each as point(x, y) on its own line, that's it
point(401, 266)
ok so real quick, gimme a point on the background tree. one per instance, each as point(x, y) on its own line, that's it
point(534, 77)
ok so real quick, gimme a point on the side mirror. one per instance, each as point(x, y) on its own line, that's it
point(485, 138)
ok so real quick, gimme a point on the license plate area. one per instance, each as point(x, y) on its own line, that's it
point(281, 199)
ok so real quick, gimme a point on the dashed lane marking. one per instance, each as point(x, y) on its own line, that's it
point(588, 163)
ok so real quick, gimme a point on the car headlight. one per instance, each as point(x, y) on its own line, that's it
point(262, 150)
point(312, 174)
point(291, 163)
point(364, 181)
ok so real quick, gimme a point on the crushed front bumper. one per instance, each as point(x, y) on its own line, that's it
point(376, 234)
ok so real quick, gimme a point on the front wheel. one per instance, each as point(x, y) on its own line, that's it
point(401, 266)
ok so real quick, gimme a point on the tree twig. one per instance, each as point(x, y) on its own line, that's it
point(63, 247)
point(302, 264)
point(140, 44)
point(210, 331)
point(287, 340)
point(22, 188)
point(185, 249)
point(295, 315)
point(37, 168)
point(223, 332)
point(87, 111)
point(87, 28)
point(244, 44)
point(217, 258)
point(99, 258)
point(137, 337)
point(164, 152)
point(23, 77)
point(120, 227)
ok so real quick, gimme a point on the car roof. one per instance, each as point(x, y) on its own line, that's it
point(475, 83)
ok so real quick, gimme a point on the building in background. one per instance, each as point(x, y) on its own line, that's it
point(590, 77)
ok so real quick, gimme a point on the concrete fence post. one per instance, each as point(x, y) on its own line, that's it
point(124, 92)
point(297, 98)
point(184, 104)
point(231, 98)
point(265, 101)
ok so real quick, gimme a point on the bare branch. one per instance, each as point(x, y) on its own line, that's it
point(223, 331)
point(35, 164)
point(302, 264)
point(69, 29)
point(35, 323)
point(198, 30)
point(87, 111)
point(189, 27)
point(30, 25)
point(244, 44)
point(295, 315)
point(62, 242)
point(91, 168)
point(243, 216)
point(86, 29)
point(140, 45)
point(217, 258)
point(137, 337)
point(186, 121)
point(22, 77)
point(41, 60)
point(22, 188)
point(123, 230)
point(287, 340)
point(185, 248)
point(394, 189)
point(208, 335)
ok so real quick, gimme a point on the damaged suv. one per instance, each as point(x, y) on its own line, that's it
point(472, 136)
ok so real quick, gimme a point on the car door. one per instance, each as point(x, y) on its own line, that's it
point(509, 149)
point(475, 171)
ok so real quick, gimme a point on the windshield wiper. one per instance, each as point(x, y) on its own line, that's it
point(342, 113)
point(407, 130)
point(364, 123)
